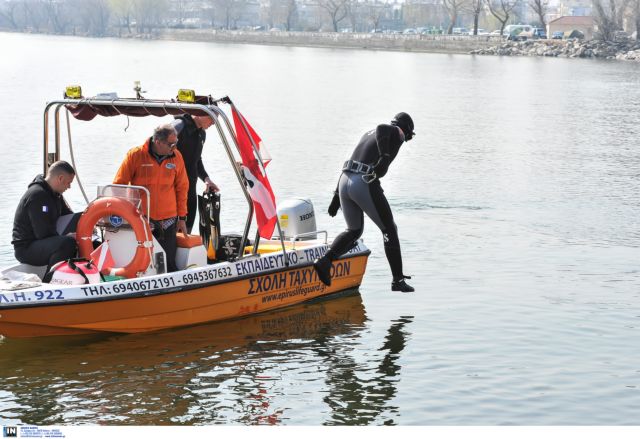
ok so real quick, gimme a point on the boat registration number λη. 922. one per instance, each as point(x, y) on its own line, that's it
point(203, 276)
point(37, 295)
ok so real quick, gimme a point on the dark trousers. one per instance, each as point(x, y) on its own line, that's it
point(47, 251)
point(192, 204)
point(168, 241)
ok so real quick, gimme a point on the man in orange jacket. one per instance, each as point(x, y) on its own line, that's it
point(159, 167)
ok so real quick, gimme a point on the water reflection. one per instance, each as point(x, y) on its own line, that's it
point(231, 372)
point(218, 373)
point(358, 396)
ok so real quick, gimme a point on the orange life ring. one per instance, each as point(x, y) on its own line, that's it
point(104, 207)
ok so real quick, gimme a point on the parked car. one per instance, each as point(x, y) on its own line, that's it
point(460, 31)
point(557, 35)
point(513, 31)
point(480, 32)
point(539, 32)
point(495, 33)
point(621, 35)
point(534, 33)
point(409, 31)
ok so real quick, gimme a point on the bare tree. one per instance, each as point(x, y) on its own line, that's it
point(476, 7)
point(225, 8)
point(149, 14)
point(375, 12)
point(454, 8)
point(337, 10)
point(209, 11)
point(9, 12)
point(291, 9)
point(179, 7)
point(501, 9)
point(99, 13)
point(58, 14)
point(636, 17)
point(231, 11)
point(540, 8)
point(276, 13)
point(122, 11)
point(608, 15)
point(353, 10)
point(35, 14)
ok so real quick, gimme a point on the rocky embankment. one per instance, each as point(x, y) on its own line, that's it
point(627, 50)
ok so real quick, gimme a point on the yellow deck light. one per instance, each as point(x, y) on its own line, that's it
point(73, 92)
point(185, 95)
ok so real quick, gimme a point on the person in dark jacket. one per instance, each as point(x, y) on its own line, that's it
point(191, 138)
point(359, 191)
point(35, 238)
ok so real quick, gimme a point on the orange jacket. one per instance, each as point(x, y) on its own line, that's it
point(167, 181)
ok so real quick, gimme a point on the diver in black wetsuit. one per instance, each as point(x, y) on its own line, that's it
point(191, 138)
point(359, 191)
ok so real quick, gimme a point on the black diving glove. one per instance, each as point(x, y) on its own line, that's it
point(335, 205)
point(382, 166)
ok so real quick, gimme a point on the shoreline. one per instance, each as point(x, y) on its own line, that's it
point(453, 44)
point(628, 50)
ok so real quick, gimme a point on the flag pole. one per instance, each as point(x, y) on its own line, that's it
point(264, 174)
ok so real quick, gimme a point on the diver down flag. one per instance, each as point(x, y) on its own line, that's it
point(101, 256)
point(264, 202)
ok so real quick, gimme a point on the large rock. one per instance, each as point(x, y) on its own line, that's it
point(575, 48)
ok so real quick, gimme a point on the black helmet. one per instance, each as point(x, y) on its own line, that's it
point(404, 121)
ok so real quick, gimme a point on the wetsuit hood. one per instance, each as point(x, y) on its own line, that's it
point(404, 121)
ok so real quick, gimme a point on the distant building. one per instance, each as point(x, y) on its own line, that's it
point(584, 24)
point(575, 8)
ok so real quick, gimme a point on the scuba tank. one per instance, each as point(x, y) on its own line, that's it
point(209, 209)
point(74, 271)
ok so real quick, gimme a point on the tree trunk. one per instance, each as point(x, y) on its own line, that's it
point(453, 18)
point(637, 17)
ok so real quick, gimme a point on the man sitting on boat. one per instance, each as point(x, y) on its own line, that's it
point(35, 238)
point(159, 167)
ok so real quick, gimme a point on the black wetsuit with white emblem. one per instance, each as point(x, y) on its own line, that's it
point(377, 148)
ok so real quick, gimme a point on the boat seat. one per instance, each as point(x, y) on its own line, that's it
point(188, 241)
point(190, 251)
point(38, 270)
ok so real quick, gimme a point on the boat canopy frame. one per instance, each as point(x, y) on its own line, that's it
point(88, 108)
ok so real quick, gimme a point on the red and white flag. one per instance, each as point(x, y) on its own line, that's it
point(264, 202)
point(102, 258)
point(262, 149)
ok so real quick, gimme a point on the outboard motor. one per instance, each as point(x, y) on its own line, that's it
point(296, 216)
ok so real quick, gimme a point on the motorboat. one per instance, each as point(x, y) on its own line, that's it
point(138, 295)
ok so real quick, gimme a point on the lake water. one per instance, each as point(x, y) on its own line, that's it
point(517, 206)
